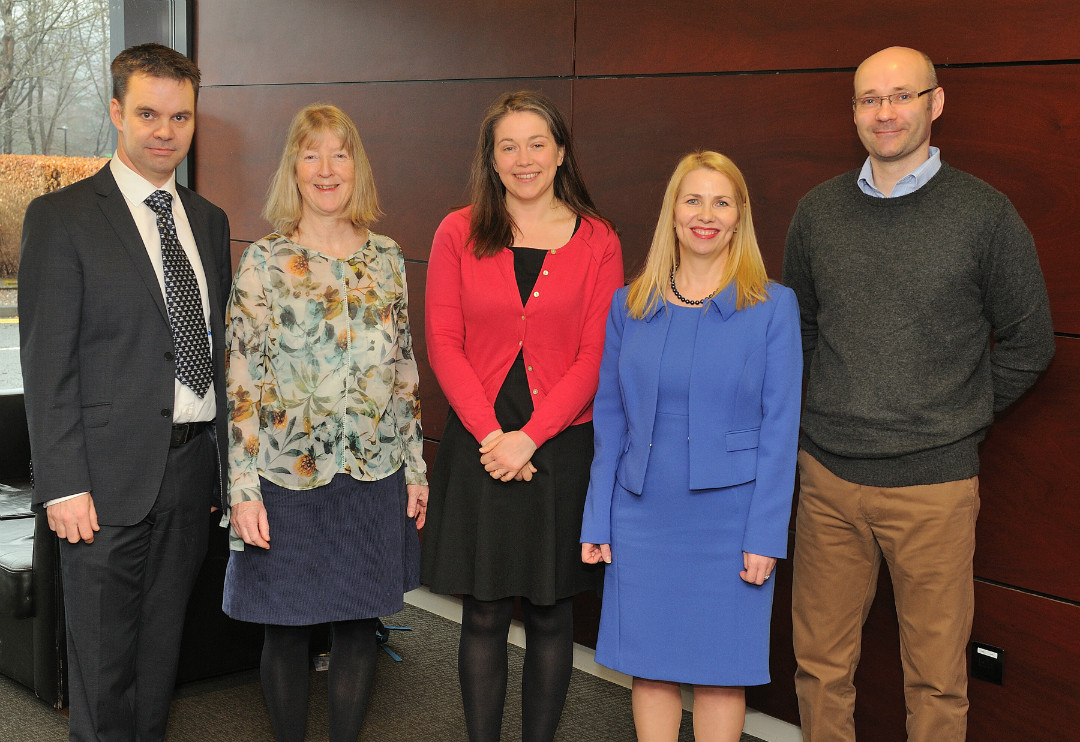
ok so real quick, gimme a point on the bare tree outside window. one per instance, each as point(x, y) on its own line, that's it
point(54, 96)
point(54, 72)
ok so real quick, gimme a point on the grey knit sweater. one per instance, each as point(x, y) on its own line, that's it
point(898, 299)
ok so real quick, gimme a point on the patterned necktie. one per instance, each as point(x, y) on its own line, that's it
point(190, 342)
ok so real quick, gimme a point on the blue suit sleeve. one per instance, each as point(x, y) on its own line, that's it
point(781, 397)
point(609, 431)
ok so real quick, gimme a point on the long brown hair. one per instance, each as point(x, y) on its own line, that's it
point(491, 227)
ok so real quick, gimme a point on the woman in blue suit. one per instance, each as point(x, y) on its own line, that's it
point(696, 425)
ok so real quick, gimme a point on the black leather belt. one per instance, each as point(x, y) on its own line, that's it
point(184, 432)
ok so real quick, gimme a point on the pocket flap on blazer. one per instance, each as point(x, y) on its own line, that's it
point(96, 415)
point(740, 440)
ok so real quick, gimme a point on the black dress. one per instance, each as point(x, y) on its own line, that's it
point(493, 539)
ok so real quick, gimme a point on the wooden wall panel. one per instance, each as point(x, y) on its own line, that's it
point(879, 710)
point(785, 146)
point(419, 137)
point(1030, 490)
point(433, 405)
point(586, 618)
point(284, 41)
point(417, 77)
point(1038, 698)
point(1036, 702)
point(630, 133)
point(633, 37)
point(1033, 158)
point(778, 697)
point(879, 681)
point(1030, 486)
point(430, 447)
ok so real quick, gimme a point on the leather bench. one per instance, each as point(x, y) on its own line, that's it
point(33, 645)
point(16, 552)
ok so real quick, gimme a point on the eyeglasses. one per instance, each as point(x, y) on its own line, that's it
point(896, 100)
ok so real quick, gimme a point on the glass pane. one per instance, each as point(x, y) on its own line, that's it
point(54, 123)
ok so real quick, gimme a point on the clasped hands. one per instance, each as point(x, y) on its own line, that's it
point(507, 456)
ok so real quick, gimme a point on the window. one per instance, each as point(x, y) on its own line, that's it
point(54, 111)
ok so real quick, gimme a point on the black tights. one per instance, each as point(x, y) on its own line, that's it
point(549, 658)
point(284, 671)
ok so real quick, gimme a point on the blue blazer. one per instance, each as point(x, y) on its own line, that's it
point(745, 394)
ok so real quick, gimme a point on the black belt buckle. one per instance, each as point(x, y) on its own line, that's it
point(184, 432)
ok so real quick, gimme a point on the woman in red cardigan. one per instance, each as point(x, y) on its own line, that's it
point(517, 294)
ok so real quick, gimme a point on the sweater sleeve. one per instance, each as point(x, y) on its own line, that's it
point(610, 431)
point(781, 395)
point(573, 393)
point(1018, 308)
point(444, 330)
point(797, 276)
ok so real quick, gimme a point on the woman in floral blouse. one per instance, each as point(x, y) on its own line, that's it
point(326, 477)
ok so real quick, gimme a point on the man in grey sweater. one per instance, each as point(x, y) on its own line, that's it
point(902, 271)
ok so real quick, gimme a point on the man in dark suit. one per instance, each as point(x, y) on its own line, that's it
point(122, 286)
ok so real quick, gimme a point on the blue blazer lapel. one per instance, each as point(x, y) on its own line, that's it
point(654, 329)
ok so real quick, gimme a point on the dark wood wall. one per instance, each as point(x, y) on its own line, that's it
point(767, 83)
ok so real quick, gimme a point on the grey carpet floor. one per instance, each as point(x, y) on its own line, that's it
point(416, 700)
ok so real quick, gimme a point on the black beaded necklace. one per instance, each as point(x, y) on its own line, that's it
point(683, 299)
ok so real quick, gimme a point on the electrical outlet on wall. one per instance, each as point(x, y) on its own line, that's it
point(987, 662)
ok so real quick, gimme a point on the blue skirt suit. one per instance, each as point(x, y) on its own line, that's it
point(696, 425)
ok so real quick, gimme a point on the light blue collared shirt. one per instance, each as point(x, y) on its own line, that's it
point(910, 183)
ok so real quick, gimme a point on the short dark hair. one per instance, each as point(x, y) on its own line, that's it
point(154, 60)
point(491, 228)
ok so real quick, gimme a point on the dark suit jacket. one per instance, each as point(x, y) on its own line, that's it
point(97, 357)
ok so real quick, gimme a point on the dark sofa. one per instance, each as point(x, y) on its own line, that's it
point(32, 635)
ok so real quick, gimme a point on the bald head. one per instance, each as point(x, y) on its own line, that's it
point(896, 61)
point(902, 98)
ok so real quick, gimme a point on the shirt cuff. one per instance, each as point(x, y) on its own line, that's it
point(69, 497)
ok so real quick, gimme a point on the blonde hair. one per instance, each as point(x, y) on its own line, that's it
point(744, 266)
point(283, 203)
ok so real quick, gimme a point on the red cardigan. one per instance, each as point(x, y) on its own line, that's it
point(475, 325)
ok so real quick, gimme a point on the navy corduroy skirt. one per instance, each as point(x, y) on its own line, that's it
point(339, 552)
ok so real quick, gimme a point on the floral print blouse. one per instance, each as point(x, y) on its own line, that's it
point(320, 371)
